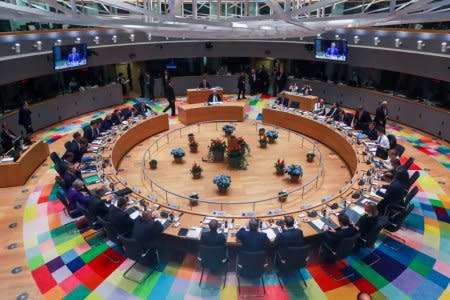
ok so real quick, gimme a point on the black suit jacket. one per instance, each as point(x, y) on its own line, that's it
point(241, 82)
point(69, 178)
point(115, 119)
point(252, 240)
point(204, 86)
point(252, 80)
point(76, 149)
point(212, 239)
point(120, 220)
point(24, 116)
point(97, 207)
point(365, 224)
point(89, 133)
point(371, 134)
point(210, 98)
point(333, 113)
point(7, 140)
point(146, 232)
point(361, 119)
point(170, 94)
point(334, 238)
point(291, 237)
point(395, 192)
point(380, 116)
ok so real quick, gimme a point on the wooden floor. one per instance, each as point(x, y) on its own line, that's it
point(258, 182)
point(12, 285)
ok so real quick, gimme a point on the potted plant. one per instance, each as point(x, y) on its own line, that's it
point(263, 141)
point(262, 131)
point(282, 196)
point(295, 171)
point(193, 199)
point(193, 145)
point(196, 171)
point(228, 129)
point(272, 135)
point(279, 167)
point(310, 156)
point(244, 146)
point(217, 150)
point(153, 164)
point(177, 154)
point(222, 182)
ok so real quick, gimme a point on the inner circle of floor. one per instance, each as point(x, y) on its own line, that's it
point(254, 184)
point(65, 265)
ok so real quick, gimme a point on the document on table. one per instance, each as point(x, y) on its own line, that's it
point(270, 234)
point(318, 223)
point(135, 214)
point(194, 233)
point(358, 209)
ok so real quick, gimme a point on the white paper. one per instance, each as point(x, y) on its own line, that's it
point(194, 233)
point(135, 214)
point(364, 201)
point(318, 223)
point(358, 209)
point(7, 159)
point(270, 234)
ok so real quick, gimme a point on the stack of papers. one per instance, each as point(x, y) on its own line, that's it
point(358, 209)
point(7, 159)
point(270, 233)
point(194, 233)
point(318, 223)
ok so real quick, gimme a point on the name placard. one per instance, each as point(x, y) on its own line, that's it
point(173, 206)
point(274, 212)
point(218, 213)
point(249, 214)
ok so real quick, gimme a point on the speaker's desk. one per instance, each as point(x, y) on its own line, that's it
point(305, 102)
point(201, 112)
point(201, 95)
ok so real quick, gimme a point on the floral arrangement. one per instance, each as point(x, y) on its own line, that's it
point(272, 135)
point(294, 170)
point(177, 152)
point(196, 168)
point(228, 129)
point(279, 166)
point(191, 139)
point(263, 141)
point(310, 156)
point(282, 196)
point(222, 181)
point(217, 145)
point(243, 144)
point(153, 163)
point(234, 151)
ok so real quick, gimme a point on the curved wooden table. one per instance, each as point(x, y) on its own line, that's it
point(201, 112)
point(324, 133)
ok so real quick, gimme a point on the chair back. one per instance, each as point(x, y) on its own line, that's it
point(396, 220)
point(373, 233)
point(346, 246)
point(134, 251)
point(63, 199)
point(111, 233)
point(411, 194)
point(294, 258)
point(413, 178)
point(408, 164)
point(295, 105)
point(211, 257)
point(57, 162)
point(251, 264)
point(91, 220)
point(400, 149)
point(61, 183)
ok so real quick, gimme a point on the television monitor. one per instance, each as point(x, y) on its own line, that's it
point(69, 56)
point(335, 50)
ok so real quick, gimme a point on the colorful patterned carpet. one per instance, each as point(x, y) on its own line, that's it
point(65, 265)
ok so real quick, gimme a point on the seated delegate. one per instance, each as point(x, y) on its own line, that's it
point(289, 237)
point(333, 237)
point(146, 230)
point(368, 220)
point(212, 238)
point(395, 191)
point(371, 132)
point(119, 219)
point(204, 84)
point(97, 207)
point(76, 196)
point(214, 97)
point(252, 240)
point(319, 107)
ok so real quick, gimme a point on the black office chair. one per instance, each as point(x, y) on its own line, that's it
point(400, 149)
point(395, 222)
point(413, 178)
point(407, 165)
point(212, 258)
point(292, 259)
point(60, 182)
point(134, 251)
point(251, 265)
point(75, 213)
point(286, 102)
point(391, 209)
point(90, 219)
point(111, 233)
point(371, 237)
point(344, 249)
point(411, 194)
point(67, 145)
point(295, 105)
point(57, 162)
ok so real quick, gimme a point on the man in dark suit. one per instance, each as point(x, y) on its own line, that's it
point(74, 57)
point(116, 117)
point(334, 111)
point(142, 82)
point(142, 109)
point(77, 146)
point(362, 119)
point(289, 237)
point(150, 84)
point(251, 239)
point(165, 78)
point(333, 237)
point(280, 79)
point(212, 238)
point(107, 123)
point(146, 230)
point(70, 175)
point(344, 117)
point(25, 117)
point(241, 86)
point(371, 132)
point(171, 99)
point(381, 115)
point(97, 207)
point(204, 84)
point(120, 220)
point(252, 81)
point(214, 97)
point(68, 160)
point(89, 131)
point(395, 191)
point(7, 137)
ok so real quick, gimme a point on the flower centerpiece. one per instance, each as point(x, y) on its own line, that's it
point(178, 154)
point(279, 167)
point(295, 171)
point(272, 135)
point(153, 164)
point(282, 196)
point(263, 141)
point(222, 182)
point(262, 131)
point(310, 156)
point(193, 199)
point(196, 171)
point(217, 149)
point(193, 145)
point(244, 146)
point(228, 129)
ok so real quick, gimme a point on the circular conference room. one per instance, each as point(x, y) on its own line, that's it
point(225, 149)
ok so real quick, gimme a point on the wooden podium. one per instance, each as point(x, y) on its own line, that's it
point(201, 95)
point(305, 102)
point(227, 111)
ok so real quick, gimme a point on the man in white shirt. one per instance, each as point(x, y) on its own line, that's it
point(319, 107)
point(293, 88)
point(382, 140)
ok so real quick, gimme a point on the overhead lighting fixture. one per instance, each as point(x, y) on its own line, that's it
point(356, 39)
point(77, 40)
point(96, 40)
point(132, 37)
point(38, 45)
point(376, 41)
point(114, 39)
point(300, 38)
point(398, 43)
point(16, 48)
point(149, 36)
point(444, 47)
point(337, 37)
point(167, 38)
point(58, 42)
point(420, 44)
point(264, 27)
point(238, 25)
point(319, 36)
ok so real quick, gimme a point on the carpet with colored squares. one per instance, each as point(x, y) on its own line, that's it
point(67, 264)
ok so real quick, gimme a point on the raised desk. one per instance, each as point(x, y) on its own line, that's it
point(17, 173)
point(305, 102)
point(227, 111)
point(201, 95)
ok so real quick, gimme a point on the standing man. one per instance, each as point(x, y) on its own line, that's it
point(362, 119)
point(381, 115)
point(204, 84)
point(165, 81)
point(150, 84)
point(171, 98)
point(241, 86)
point(252, 80)
point(7, 137)
point(280, 80)
point(142, 82)
point(25, 117)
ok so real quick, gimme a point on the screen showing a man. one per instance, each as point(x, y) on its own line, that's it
point(70, 56)
point(73, 57)
point(332, 50)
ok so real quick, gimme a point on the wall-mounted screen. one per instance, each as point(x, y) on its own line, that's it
point(69, 56)
point(331, 49)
